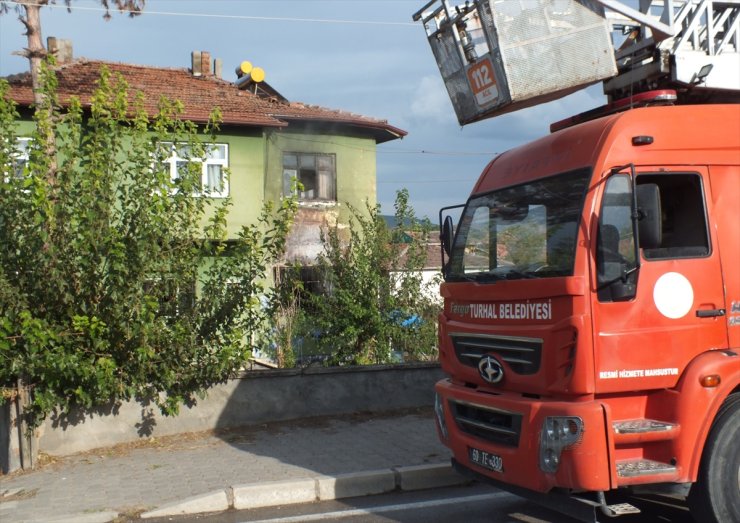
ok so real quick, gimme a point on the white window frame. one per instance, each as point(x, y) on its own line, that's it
point(223, 163)
point(181, 299)
point(20, 157)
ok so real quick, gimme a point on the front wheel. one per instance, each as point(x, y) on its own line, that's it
point(715, 497)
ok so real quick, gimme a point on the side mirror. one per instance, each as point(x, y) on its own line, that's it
point(650, 216)
point(447, 235)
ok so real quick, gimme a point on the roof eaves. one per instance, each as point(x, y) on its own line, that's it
point(348, 119)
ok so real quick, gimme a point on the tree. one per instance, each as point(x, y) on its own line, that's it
point(375, 301)
point(29, 14)
point(98, 270)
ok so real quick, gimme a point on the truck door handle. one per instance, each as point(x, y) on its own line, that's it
point(710, 313)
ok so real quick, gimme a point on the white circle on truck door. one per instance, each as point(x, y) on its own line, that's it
point(673, 295)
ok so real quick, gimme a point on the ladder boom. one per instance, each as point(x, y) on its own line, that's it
point(699, 57)
point(497, 57)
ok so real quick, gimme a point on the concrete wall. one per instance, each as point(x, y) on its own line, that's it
point(10, 454)
point(256, 397)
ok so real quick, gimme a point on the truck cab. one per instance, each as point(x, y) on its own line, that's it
point(591, 323)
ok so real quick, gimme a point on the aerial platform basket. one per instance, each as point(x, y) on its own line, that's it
point(498, 56)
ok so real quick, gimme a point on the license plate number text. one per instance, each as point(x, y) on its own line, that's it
point(486, 460)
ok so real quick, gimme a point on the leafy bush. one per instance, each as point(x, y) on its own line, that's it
point(375, 306)
point(103, 254)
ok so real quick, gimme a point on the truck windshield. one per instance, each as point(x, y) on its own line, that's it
point(524, 231)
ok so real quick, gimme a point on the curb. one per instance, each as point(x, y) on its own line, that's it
point(318, 488)
point(93, 517)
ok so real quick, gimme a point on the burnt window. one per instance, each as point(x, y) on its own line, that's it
point(316, 174)
point(307, 279)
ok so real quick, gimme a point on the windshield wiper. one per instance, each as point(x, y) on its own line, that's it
point(477, 277)
point(516, 274)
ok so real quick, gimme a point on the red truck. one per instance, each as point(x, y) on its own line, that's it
point(591, 324)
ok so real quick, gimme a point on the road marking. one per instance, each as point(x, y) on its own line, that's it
point(383, 508)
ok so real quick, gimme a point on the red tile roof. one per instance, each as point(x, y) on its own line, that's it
point(198, 96)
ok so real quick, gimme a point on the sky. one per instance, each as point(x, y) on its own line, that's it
point(363, 56)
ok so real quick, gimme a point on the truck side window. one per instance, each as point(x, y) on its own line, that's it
point(683, 217)
point(615, 247)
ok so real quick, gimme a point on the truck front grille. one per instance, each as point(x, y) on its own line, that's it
point(497, 426)
point(521, 354)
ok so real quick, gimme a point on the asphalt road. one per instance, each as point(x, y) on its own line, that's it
point(473, 504)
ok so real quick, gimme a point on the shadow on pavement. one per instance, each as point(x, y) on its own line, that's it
point(332, 421)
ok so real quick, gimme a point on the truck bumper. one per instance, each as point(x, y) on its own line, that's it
point(498, 436)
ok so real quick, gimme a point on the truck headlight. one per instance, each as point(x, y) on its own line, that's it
point(558, 433)
point(440, 412)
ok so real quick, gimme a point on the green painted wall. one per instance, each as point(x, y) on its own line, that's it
point(246, 175)
point(256, 170)
point(355, 166)
point(25, 128)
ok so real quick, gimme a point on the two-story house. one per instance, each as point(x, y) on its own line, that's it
point(263, 142)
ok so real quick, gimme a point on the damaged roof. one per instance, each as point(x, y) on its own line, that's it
point(199, 95)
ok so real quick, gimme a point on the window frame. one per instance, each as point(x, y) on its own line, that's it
point(20, 157)
point(173, 159)
point(174, 300)
point(456, 267)
point(289, 173)
point(652, 255)
point(616, 257)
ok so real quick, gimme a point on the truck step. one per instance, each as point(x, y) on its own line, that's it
point(633, 426)
point(643, 467)
point(622, 509)
point(617, 509)
point(643, 430)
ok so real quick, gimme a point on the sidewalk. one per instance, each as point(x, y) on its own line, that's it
point(318, 458)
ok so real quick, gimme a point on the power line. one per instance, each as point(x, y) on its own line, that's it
point(286, 19)
point(425, 182)
point(439, 153)
point(232, 17)
point(379, 150)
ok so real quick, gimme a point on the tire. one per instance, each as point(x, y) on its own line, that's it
point(715, 497)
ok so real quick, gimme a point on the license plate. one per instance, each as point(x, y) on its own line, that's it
point(486, 459)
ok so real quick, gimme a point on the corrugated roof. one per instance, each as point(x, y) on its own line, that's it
point(199, 95)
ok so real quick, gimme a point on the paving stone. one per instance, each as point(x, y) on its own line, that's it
point(155, 477)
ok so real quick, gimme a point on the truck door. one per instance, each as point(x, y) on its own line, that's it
point(652, 321)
